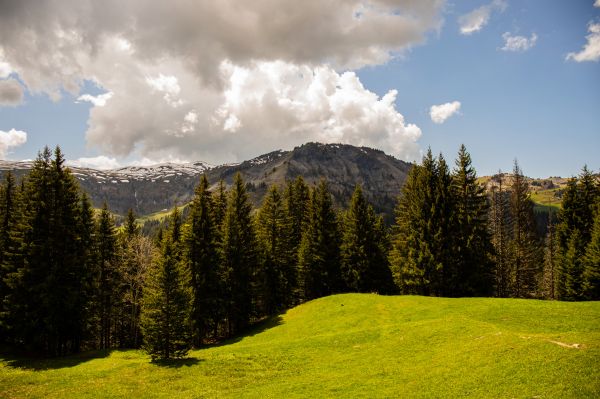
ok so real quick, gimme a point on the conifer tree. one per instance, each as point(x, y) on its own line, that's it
point(167, 300)
point(319, 251)
point(500, 223)
point(550, 274)
point(201, 258)
point(472, 245)
point(573, 267)
point(130, 226)
point(591, 262)
point(239, 258)
point(297, 198)
point(46, 304)
point(421, 256)
point(9, 243)
point(579, 199)
point(109, 280)
point(278, 273)
point(524, 256)
point(220, 205)
point(364, 263)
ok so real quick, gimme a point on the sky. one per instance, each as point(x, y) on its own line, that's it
point(131, 82)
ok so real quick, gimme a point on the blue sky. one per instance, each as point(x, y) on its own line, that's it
point(533, 104)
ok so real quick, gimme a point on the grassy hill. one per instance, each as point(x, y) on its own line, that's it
point(356, 345)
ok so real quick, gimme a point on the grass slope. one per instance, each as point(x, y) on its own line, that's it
point(356, 345)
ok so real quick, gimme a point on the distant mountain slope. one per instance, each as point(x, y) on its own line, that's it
point(158, 187)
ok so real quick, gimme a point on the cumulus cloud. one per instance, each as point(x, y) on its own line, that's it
point(5, 69)
point(475, 20)
point(439, 113)
point(98, 101)
point(518, 43)
point(165, 62)
point(591, 50)
point(100, 162)
point(11, 139)
point(11, 93)
point(597, 3)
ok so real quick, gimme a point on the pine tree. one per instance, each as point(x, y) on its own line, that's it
point(201, 257)
point(109, 280)
point(130, 226)
point(278, 272)
point(550, 270)
point(47, 300)
point(472, 245)
point(500, 224)
point(297, 198)
point(239, 258)
point(9, 242)
point(577, 214)
point(420, 257)
point(364, 263)
point(166, 306)
point(591, 272)
point(525, 257)
point(573, 267)
point(319, 251)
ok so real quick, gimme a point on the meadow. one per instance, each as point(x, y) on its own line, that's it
point(354, 345)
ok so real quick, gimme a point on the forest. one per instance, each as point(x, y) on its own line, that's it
point(71, 280)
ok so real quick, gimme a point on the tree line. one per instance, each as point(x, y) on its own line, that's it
point(71, 280)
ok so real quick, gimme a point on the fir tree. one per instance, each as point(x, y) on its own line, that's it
point(550, 274)
point(201, 257)
point(109, 280)
point(239, 258)
point(591, 272)
point(364, 263)
point(167, 300)
point(278, 273)
point(524, 254)
point(130, 226)
point(47, 300)
point(296, 197)
point(500, 223)
point(319, 251)
point(473, 269)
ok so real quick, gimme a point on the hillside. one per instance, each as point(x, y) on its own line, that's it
point(356, 345)
point(155, 188)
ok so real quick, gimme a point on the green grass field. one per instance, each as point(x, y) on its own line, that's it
point(355, 345)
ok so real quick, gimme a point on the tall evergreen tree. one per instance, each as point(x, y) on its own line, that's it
point(46, 304)
point(130, 226)
point(591, 272)
point(109, 279)
point(319, 255)
point(296, 198)
point(364, 262)
point(500, 223)
point(277, 273)
point(550, 274)
point(577, 214)
point(201, 257)
point(421, 257)
point(472, 266)
point(167, 300)
point(239, 258)
point(525, 256)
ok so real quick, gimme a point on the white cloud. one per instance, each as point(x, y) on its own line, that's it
point(439, 113)
point(475, 20)
point(597, 3)
point(591, 50)
point(5, 69)
point(11, 93)
point(184, 53)
point(518, 43)
point(98, 101)
point(12, 138)
point(100, 162)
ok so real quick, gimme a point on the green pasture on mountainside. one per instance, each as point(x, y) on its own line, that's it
point(354, 345)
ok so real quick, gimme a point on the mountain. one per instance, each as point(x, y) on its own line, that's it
point(158, 187)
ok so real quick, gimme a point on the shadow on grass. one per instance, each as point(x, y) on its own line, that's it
point(40, 364)
point(177, 363)
point(253, 330)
